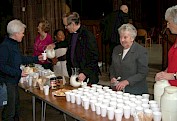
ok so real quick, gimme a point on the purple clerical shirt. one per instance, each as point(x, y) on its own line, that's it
point(73, 45)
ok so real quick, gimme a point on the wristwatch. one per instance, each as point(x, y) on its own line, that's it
point(174, 75)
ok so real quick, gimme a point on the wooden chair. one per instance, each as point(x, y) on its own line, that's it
point(142, 35)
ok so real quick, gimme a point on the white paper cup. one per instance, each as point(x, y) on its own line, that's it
point(154, 105)
point(108, 90)
point(86, 103)
point(139, 97)
point(127, 102)
point(125, 98)
point(119, 92)
point(94, 85)
point(89, 95)
point(120, 105)
point(99, 86)
point(96, 94)
point(107, 97)
point(139, 109)
point(110, 112)
point(80, 92)
point(145, 96)
point(118, 114)
point(113, 104)
point(92, 105)
point(98, 109)
point(87, 87)
point(131, 96)
point(148, 112)
point(81, 89)
point(119, 100)
point(145, 100)
point(68, 98)
point(93, 88)
point(155, 109)
point(133, 100)
point(74, 90)
point(46, 90)
point(152, 102)
point(157, 116)
point(82, 98)
point(113, 97)
point(103, 110)
point(100, 96)
point(44, 56)
point(145, 106)
point(132, 106)
point(72, 96)
point(105, 102)
point(127, 112)
point(30, 81)
point(126, 94)
point(138, 103)
point(78, 99)
point(100, 99)
point(107, 94)
point(105, 88)
point(93, 98)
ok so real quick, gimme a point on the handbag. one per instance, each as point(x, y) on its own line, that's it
point(3, 95)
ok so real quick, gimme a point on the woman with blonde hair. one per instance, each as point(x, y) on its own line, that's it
point(42, 40)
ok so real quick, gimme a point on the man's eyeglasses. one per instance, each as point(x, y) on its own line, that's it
point(67, 25)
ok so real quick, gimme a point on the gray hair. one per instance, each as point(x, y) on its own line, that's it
point(72, 17)
point(130, 28)
point(171, 14)
point(15, 26)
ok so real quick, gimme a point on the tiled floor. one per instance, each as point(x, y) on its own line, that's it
point(155, 59)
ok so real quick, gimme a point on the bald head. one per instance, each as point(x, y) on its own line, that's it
point(124, 8)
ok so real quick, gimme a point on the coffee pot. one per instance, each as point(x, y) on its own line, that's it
point(168, 104)
point(50, 53)
point(74, 78)
point(159, 87)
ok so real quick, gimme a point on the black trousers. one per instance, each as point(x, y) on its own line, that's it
point(111, 48)
point(1, 108)
point(11, 110)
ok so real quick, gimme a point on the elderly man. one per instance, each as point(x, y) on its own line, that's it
point(110, 25)
point(82, 52)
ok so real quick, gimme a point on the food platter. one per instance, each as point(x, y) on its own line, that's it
point(60, 92)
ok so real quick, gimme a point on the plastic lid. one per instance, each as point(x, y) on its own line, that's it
point(163, 82)
point(170, 89)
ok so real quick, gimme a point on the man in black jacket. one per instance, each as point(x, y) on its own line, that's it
point(110, 26)
point(82, 52)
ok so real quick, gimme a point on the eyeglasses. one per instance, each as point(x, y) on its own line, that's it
point(66, 26)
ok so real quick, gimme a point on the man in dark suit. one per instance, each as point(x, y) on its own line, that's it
point(110, 25)
point(82, 52)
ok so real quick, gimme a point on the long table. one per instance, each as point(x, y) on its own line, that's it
point(60, 103)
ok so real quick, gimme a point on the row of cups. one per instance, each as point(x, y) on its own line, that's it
point(111, 103)
point(35, 75)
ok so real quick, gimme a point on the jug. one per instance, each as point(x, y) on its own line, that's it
point(159, 87)
point(169, 104)
point(73, 79)
point(50, 53)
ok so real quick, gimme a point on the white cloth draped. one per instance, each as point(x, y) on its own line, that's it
point(60, 68)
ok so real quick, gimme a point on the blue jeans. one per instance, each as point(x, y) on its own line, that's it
point(11, 110)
